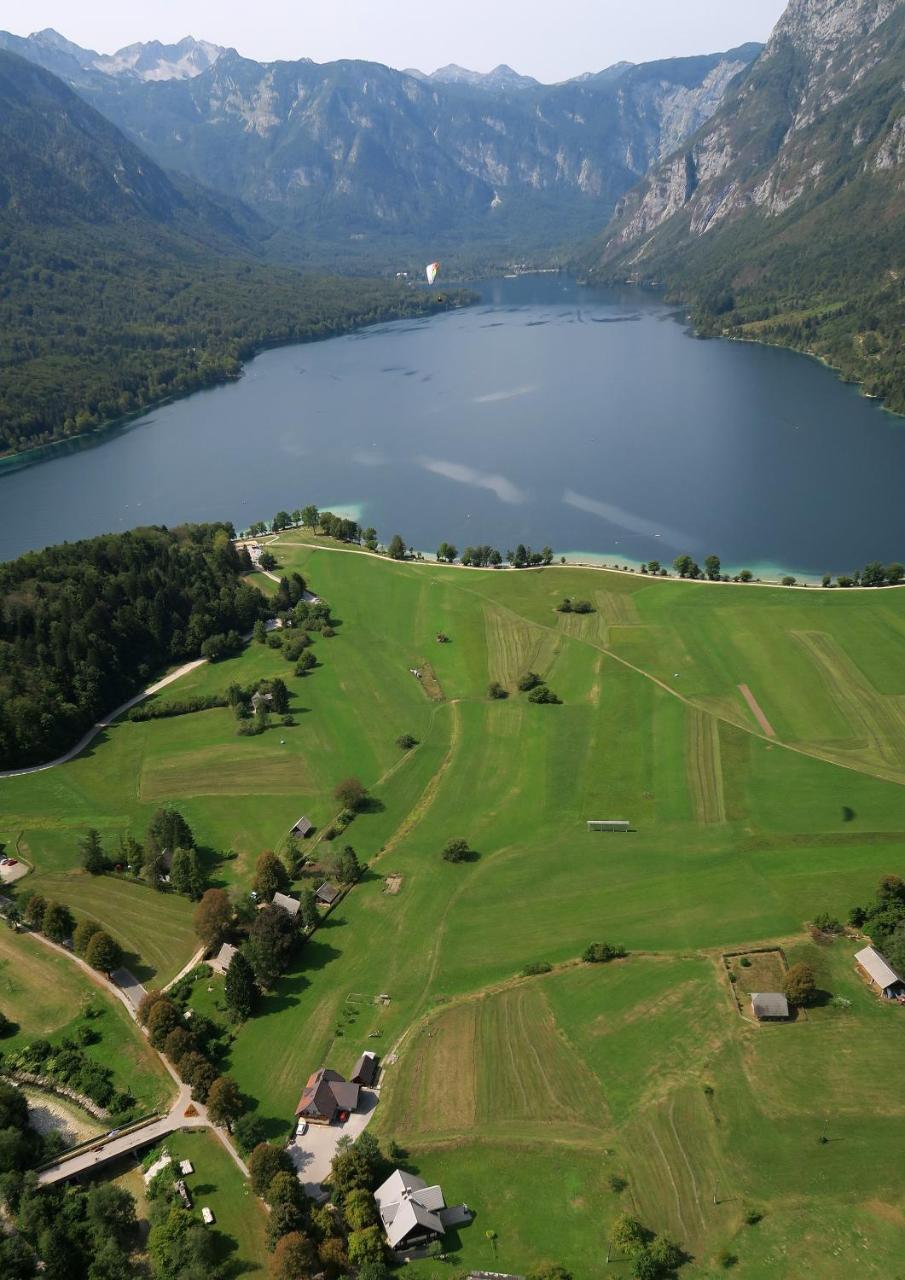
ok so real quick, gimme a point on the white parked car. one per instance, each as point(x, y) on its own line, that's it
point(302, 1129)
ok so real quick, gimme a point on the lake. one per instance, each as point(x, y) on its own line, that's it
point(587, 419)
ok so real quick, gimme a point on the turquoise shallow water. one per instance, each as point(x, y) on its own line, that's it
point(549, 413)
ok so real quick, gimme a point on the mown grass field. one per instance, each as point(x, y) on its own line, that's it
point(513, 1091)
point(45, 996)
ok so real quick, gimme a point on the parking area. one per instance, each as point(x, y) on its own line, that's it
point(313, 1152)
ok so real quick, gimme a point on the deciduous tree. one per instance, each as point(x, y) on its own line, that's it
point(212, 918)
point(103, 953)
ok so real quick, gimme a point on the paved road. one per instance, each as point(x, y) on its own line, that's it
point(111, 1149)
point(129, 986)
point(313, 1153)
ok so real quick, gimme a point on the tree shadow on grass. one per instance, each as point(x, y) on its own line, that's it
point(371, 804)
point(140, 970)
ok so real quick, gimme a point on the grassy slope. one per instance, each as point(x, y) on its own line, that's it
point(45, 996)
point(738, 840)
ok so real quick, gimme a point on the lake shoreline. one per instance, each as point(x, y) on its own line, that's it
point(113, 427)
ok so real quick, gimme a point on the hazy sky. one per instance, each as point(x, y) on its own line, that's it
point(551, 40)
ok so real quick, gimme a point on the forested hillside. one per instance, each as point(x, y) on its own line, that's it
point(85, 625)
point(783, 219)
point(122, 285)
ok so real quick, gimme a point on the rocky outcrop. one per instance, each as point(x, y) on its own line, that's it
point(777, 138)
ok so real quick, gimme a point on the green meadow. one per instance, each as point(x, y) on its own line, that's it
point(524, 1097)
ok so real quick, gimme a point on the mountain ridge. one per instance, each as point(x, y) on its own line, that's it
point(782, 218)
point(354, 155)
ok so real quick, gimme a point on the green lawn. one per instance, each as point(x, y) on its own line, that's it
point(219, 1184)
point(503, 1088)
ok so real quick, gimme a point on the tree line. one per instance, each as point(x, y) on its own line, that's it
point(85, 624)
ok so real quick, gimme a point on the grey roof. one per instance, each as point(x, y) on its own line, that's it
point(365, 1069)
point(327, 893)
point(303, 827)
point(288, 904)
point(769, 1004)
point(876, 967)
point(407, 1206)
point(225, 954)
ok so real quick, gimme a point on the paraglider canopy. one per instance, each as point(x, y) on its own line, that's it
point(431, 271)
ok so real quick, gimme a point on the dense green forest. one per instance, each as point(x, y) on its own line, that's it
point(121, 284)
point(91, 329)
point(83, 626)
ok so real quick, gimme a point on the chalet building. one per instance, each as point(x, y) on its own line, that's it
point(326, 1095)
point(408, 1210)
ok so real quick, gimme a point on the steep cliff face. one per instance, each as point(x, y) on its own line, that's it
point(357, 150)
point(783, 218)
point(800, 112)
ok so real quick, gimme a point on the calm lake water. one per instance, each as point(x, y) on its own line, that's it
point(583, 418)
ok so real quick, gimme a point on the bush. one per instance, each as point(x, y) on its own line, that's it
point(539, 966)
point(582, 606)
point(745, 962)
point(405, 742)
point(530, 680)
point(496, 692)
point(827, 923)
point(542, 694)
point(601, 952)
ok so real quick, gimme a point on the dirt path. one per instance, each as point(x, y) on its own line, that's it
point(756, 711)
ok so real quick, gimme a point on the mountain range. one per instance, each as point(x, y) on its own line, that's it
point(123, 284)
point(783, 217)
point(362, 160)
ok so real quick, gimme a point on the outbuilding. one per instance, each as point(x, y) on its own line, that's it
point(880, 973)
point(290, 905)
point(302, 828)
point(769, 1006)
point(366, 1069)
point(223, 958)
point(609, 824)
point(327, 894)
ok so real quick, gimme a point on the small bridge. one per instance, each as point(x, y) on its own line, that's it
point(89, 1157)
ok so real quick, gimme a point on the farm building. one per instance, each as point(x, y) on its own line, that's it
point(221, 960)
point(326, 1094)
point(609, 824)
point(289, 905)
point(881, 974)
point(327, 894)
point(408, 1210)
point(769, 1005)
point(303, 827)
point(365, 1069)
